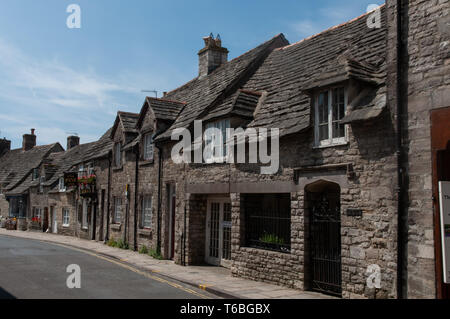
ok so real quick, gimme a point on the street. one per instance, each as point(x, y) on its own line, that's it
point(32, 269)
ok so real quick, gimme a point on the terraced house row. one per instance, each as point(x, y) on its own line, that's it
point(363, 114)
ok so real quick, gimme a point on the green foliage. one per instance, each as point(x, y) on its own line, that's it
point(112, 243)
point(143, 249)
point(153, 253)
point(119, 244)
point(122, 244)
point(272, 239)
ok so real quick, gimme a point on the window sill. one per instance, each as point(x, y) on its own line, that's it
point(117, 168)
point(262, 250)
point(116, 227)
point(66, 226)
point(144, 163)
point(330, 145)
point(145, 232)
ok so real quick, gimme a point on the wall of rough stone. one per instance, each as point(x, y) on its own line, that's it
point(426, 83)
point(365, 240)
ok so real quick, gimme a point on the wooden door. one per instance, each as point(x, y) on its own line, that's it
point(440, 144)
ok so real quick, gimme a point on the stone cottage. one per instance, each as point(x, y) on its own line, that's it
point(19, 169)
point(362, 115)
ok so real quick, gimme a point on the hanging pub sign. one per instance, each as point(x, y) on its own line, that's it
point(70, 179)
point(444, 200)
point(86, 185)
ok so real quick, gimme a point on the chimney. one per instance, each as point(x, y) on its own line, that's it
point(5, 146)
point(72, 141)
point(211, 56)
point(29, 141)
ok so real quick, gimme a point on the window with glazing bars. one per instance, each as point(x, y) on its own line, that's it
point(268, 221)
point(146, 219)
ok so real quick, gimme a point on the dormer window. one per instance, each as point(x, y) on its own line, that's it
point(330, 108)
point(35, 174)
point(62, 187)
point(117, 154)
point(148, 147)
point(216, 136)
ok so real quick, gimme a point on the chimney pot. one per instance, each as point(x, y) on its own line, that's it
point(211, 56)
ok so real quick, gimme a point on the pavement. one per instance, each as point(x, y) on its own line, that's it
point(210, 279)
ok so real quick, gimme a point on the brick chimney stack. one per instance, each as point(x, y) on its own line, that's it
point(5, 146)
point(72, 141)
point(29, 141)
point(211, 56)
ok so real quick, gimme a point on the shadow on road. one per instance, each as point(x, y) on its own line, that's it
point(5, 295)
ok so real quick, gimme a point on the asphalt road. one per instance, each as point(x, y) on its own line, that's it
point(32, 269)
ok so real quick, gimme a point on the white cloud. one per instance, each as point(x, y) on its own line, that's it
point(54, 98)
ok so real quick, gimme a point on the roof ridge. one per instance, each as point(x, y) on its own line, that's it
point(236, 58)
point(164, 100)
point(328, 30)
point(127, 113)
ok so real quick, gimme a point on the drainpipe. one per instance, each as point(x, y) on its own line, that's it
point(108, 196)
point(399, 152)
point(160, 155)
point(136, 183)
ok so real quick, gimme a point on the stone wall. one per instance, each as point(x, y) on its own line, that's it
point(426, 86)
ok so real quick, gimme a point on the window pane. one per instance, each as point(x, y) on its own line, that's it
point(338, 112)
point(323, 132)
point(147, 212)
point(268, 221)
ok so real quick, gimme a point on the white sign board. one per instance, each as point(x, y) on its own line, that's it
point(444, 200)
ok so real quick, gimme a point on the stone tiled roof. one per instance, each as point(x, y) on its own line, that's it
point(165, 109)
point(242, 103)
point(206, 93)
point(64, 161)
point(17, 165)
point(288, 71)
point(127, 121)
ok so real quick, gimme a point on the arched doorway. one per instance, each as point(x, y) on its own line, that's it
point(323, 220)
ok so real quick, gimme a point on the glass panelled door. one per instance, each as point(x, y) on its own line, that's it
point(218, 233)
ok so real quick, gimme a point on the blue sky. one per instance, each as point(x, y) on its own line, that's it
point(62, 81)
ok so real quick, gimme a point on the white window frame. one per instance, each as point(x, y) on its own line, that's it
point(90, 169)
point(84, 216)
point(213, 141)
point(81, 171)
point(330, 141)
point(148, 147)
point(41, 184)
point(118, 154)
point(146, 210)
point(117, 210)
point(65, 217)
point(62, 187)
point(38, 212)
